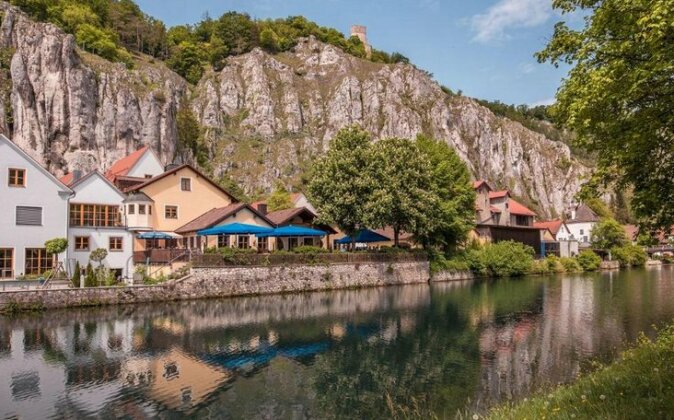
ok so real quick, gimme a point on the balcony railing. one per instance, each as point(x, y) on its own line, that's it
point(264, 260)
point(161, 256)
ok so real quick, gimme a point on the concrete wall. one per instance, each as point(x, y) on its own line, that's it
point(41, 190)
point(231, 281)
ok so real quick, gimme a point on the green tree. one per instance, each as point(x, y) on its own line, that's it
point(269, 40)
point(607, 234)
point(55, 247)
point(238, 31)
point(97, 41)
point(279, 198)
point(190, 136)
point(403, 195)
point(77, 275)
point(619, 96)
point(589, 261)
point(186, 60)
point(451, 183)
point(90, 277)
point(340, 184)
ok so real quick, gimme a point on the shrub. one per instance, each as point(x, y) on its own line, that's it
point(570, 265)
point(629, 255)
point(589, 261)
point(540, 267)
point(309, 250)
point(554, 264)
point(439, 263)
point(75, 281)
point(502, 259)
point(90, 277)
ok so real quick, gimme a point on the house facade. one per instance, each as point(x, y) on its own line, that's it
point(96, 220)
point(35, 210)
point(580, 223)
point(135, 169)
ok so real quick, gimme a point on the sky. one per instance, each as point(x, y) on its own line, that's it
point(485, 48)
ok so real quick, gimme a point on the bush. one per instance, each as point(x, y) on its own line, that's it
point(90, 277)
point(502, 259)
point(554, 264)
point(309, 250)
point(630, 255)
point(570, 265)
point(77, 275)
point(540, 267)
point(439, 262)
point(589, 261)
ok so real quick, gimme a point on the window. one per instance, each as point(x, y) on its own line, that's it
point(6, 263)
point(223, 241)
point(17, 177)
point(582, 232)
point(116, 243)
point(186, 184)
point(308, 241)
point(243, 241)
point(141, 209)
point(98, 215)
point(149, 210)
point(263, 244)
point(81, 243)
point(522, 220)
point(293, 243)
point(37, 261)
point(171, 212)
point(28, 216)
point(148, 176)
point(132, 209)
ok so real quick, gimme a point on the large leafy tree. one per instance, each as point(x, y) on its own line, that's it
point(280, 198)
point(619, 96)
point(340, 184)
point(608, 234)
point(451, 182)
point(403, 195)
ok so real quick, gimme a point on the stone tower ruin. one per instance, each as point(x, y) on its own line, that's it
point(361, 32)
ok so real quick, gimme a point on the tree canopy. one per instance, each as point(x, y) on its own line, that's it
point(279, 198)
point(608, 234)
point(619, 97)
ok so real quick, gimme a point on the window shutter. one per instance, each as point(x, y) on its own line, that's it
point(29, 216)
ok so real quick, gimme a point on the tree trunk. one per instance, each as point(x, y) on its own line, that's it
point(396, 236)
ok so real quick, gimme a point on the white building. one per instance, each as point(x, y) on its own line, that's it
point(34, 210)
point(579, 225)
point(96, 220)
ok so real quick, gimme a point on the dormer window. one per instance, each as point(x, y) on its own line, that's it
point(186, 184)
point(17, 178)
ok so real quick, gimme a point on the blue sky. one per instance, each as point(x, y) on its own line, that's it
point(483, 47)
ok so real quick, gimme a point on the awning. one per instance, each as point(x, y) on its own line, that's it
point(158, 235)
point(363, 237)
point(235, 229)
point(292, 231)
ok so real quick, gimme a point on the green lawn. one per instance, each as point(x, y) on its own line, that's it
point(640, 385)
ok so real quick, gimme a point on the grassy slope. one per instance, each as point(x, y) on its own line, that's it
point(638, 386)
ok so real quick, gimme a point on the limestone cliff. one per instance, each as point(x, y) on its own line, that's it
point(265, 117)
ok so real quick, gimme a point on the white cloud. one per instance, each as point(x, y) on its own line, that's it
point(527, 68)
point(495, 22)
point(546, 102)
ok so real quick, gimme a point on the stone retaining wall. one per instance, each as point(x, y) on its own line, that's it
point(610, 265)
point(452, 276)
point(225, 282)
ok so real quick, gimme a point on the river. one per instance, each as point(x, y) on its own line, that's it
point(452, 346)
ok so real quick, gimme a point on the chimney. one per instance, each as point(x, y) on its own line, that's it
point(262, 208)
point(77, 175)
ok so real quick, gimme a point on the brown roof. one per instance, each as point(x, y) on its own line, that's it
point(283, 216)
point(124, 165)
point(519, 209)
point(584, 214)
point(388, 232)
point(552, 225)
point(477, 184)
point(174, 170)
point(494, 209)
point(498, 194)
point(215, 216)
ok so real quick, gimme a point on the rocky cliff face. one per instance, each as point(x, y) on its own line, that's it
point(265, 117)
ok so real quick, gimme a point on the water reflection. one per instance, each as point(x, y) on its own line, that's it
point(338, 354)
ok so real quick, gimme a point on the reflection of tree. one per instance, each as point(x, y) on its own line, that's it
point(436, 364)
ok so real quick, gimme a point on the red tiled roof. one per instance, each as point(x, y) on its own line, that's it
point(477, 184)
point(283, 216)
point(498, 194)
point(519, 209)
point(215, 216)
point(124, 165)
point(552, 225)
point(67, 179)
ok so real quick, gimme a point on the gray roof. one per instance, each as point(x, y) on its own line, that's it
point(584, 214)
point(137, 197)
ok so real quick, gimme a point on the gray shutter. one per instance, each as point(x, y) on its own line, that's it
point(28, 216)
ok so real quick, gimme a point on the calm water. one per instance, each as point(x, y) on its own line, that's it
point(322, 355)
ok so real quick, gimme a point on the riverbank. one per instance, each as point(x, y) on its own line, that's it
point(638, 385)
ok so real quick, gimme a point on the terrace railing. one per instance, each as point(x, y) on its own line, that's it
point(160, 256)
point(266, 260)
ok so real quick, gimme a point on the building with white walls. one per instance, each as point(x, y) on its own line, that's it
point(96, 220)
point(34, 210)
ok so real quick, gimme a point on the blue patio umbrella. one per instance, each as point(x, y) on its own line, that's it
point(291, 231)
point(157, 235)
point(235, 229)
point(364, 236)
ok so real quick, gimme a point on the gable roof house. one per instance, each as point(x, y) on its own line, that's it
point(35, 210)
point(580, 222)
point(96, 220)
point(135, 169)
